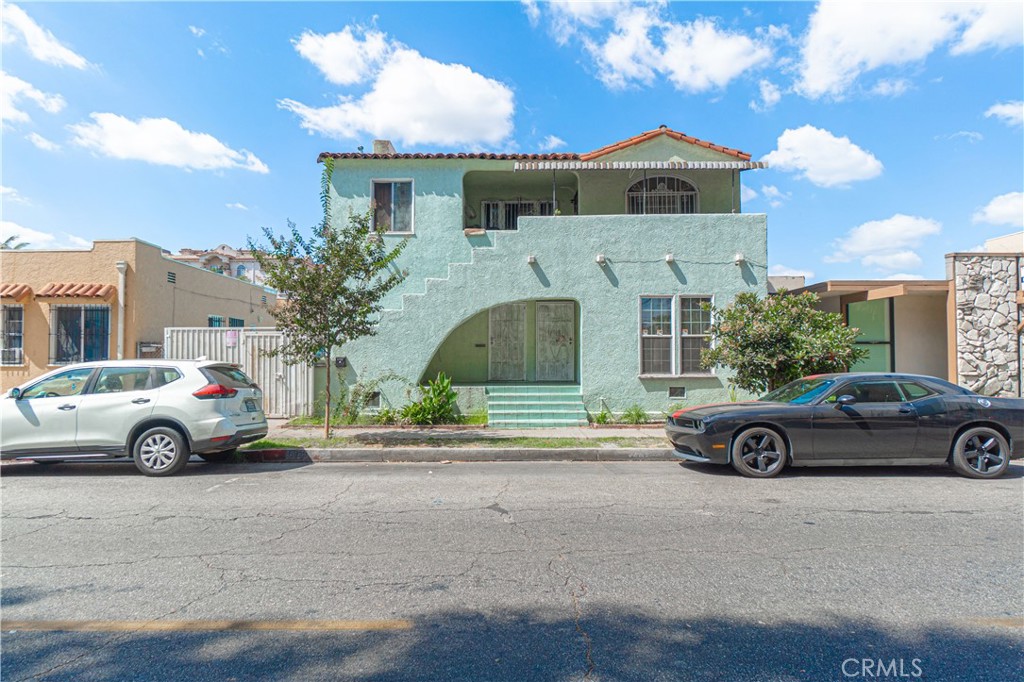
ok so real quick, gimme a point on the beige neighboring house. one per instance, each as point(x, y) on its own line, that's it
point(966, 328)
point(225, 260)
point(110, 301)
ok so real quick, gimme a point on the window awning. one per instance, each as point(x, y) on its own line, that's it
point(77, 290)
point(17, 292)
point(638, 165)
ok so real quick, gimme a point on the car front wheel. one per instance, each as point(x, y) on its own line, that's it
point(160, 451)
point(759, 452)
point(981, 452)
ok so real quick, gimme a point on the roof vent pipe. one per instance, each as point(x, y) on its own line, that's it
point(384, 147)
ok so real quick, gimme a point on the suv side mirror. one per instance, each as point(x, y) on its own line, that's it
point(14, 393)
point(844, 400)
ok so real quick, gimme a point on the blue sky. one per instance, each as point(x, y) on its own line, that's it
point(894, 131)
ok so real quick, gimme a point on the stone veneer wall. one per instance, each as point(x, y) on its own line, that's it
point(988, 347)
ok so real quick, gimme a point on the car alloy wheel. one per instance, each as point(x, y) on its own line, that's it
point(160, 451)
point(981, 452)
point(759, 452)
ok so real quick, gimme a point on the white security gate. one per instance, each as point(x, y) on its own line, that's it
point(507, 347)
point(287, 389)
point(556, 349)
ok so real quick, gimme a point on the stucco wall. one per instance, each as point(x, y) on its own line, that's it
point(150, 302)
point(565, 249)
point(919, 336)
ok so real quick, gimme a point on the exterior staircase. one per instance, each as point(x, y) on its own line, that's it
point(534, 406)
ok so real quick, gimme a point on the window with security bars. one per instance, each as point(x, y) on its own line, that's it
point(79, 333)
point(694, 329)
point(12, 335)
point(392, 205)
point(215, 321)
point(236, 322)
point(656, 335)
point(504, 215)
point(661, 195)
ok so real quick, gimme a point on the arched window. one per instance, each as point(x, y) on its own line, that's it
point(240, 271)
point(661, 194)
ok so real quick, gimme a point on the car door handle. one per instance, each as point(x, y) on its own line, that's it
point(141, 401)
point(906, 410)
point(66, 407)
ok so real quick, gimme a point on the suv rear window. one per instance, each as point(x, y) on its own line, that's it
point(232, 377)
point(165, 375)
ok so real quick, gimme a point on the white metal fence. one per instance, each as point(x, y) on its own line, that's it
point(287, 389)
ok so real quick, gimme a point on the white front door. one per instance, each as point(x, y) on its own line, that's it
point(507, 347)
point(556, 345)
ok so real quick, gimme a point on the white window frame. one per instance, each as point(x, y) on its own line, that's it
point(502, 203)
point(675, 345)
point(412, 204)
point(696, 193)
point(3, 335)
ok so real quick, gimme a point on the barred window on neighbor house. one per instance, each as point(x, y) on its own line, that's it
point(504, 215)
point(392, 205)
point(79, 333)
point(215, 321)
point(236, 322)
point(12, 335)
point(694, 330)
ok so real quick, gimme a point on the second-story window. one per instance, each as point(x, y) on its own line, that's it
point(392, 205)
point(661, 194)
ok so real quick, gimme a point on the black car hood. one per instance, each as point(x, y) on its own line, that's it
point(701, 411)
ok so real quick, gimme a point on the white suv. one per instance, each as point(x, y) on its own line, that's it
point(158, 412)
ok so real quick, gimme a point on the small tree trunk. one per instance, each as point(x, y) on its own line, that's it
point(327, 405)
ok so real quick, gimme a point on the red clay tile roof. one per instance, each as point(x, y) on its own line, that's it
point(566, 156)
point(77, 290)
point(663, 130)
point(15, 291)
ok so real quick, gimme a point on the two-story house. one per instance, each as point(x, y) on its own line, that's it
point(549, 285)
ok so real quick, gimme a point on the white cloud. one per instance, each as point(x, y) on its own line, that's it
point(636, 44)
point(40, 240)
point(823, 158)
point(416, 100)
point(347, 57)
point(847, 39)
point(237, 206)
point(971, 136)
point(903, 275)
point(12, 195)
point(160, 141)
point(770, 96)
point(774, 195)
point(14, 91)
point(41, 44)
point(890, 87)
point(1005, 209)
point(747, 193)
point(885, 244)
point(785, 271)
point(551, 142)
point(197, 31)
point(1010, 113)
point(42, 143)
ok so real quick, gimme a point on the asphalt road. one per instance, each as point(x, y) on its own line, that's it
point(509, 571)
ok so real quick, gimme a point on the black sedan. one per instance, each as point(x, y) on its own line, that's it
point(855, 419)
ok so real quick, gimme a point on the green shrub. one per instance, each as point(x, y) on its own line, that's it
point(436, 404)
point(635, 414)
point(386, 415)
point(354, 400)
point(602, 417)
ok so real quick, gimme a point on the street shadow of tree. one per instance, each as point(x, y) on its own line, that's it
point(603, 645)
point(125, 467)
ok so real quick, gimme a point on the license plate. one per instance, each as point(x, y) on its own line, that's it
point(250, 405)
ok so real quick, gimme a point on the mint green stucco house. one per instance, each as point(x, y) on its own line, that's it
point(550, 285)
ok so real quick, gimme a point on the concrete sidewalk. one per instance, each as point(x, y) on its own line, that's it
point(280, 429)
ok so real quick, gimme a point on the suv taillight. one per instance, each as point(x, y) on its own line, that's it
point(212, 391)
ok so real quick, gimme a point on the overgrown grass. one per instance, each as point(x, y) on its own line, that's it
point(375, 440)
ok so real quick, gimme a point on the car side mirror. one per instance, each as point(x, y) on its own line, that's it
point(844, 400)
point(14, 393)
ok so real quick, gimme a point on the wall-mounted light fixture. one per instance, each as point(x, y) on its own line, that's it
point(531, 259)
point(669, 258)
point(600, 259)
point(739, 259)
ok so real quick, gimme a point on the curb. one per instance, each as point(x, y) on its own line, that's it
point(443, 454)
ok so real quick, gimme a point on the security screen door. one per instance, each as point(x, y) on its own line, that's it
point(507, 347)
point(556, 346)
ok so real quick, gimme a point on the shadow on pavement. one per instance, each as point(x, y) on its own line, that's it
point(125, 467)
point(1015, 470)
point(529, 645)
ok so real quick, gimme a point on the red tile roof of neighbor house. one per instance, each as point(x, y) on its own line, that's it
point(77, 290)
point(15, 291)
point(565, 156)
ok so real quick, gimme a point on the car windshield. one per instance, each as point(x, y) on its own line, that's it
point(801, 391)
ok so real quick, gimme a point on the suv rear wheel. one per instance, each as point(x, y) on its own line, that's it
point(160, 451)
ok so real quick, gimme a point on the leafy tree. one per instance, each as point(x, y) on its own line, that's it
point(771, 341)
point(11, 244)
point(332, 284)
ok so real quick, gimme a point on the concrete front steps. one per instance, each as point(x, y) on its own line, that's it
point(534, 406)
